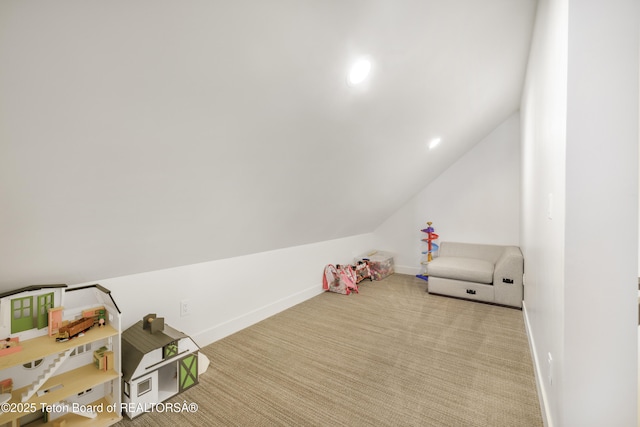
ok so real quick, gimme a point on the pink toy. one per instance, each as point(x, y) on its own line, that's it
point(339, 279)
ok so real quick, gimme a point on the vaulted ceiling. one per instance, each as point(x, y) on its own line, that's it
point(137, 136)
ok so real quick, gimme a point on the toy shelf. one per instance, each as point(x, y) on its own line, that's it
point(73, 382)
point(41, 347)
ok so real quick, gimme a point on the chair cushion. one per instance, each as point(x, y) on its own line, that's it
point(459, 268)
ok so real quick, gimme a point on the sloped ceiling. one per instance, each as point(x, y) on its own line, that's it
point(141, 135)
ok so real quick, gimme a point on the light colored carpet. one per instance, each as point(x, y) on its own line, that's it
point(392, 355)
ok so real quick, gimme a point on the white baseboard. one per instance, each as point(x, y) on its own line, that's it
point(403, 269)
point(540, 384)
point(236, 324)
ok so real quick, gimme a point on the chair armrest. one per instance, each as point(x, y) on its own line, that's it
point(509, 267)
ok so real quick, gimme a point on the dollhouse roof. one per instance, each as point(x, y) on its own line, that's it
point(29, 289)
point(136, 342)
point(100, 293)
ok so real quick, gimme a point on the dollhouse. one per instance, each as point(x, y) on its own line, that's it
point(158, 362)
point(51, 371)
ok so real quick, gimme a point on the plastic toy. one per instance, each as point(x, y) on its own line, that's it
point(90, 318)
point(431, 248)
point(74, 329)
point(381, 263)
point(363, 271)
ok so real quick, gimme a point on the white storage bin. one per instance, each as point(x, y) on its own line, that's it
point(380, 263)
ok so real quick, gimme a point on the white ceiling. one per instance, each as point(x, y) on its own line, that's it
point(137, 136)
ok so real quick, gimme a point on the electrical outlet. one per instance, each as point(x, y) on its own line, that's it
point(185, 307)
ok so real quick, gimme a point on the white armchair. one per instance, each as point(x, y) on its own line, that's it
point(489, 273)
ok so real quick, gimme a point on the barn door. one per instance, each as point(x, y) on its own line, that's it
point(188, 369)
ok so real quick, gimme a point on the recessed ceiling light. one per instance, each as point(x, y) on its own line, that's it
point(434, 143)
point(359, 71)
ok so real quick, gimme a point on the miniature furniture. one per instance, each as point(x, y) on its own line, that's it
point(6, 386)
point(57, 381)
point(489, 273)
point(158, 362)
point(10, 345)
point(55, 319)
point(103, 359)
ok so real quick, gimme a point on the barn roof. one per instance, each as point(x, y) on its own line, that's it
point(136, 342)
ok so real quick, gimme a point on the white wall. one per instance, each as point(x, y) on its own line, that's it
point(149, 134)
point(579, 210)
point(602, 134)
point(230, 294)
point(475, 200)
point(543, 113)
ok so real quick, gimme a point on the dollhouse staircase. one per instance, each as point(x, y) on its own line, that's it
point(48, 373)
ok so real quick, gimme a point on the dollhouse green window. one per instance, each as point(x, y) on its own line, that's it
point(21, 314)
